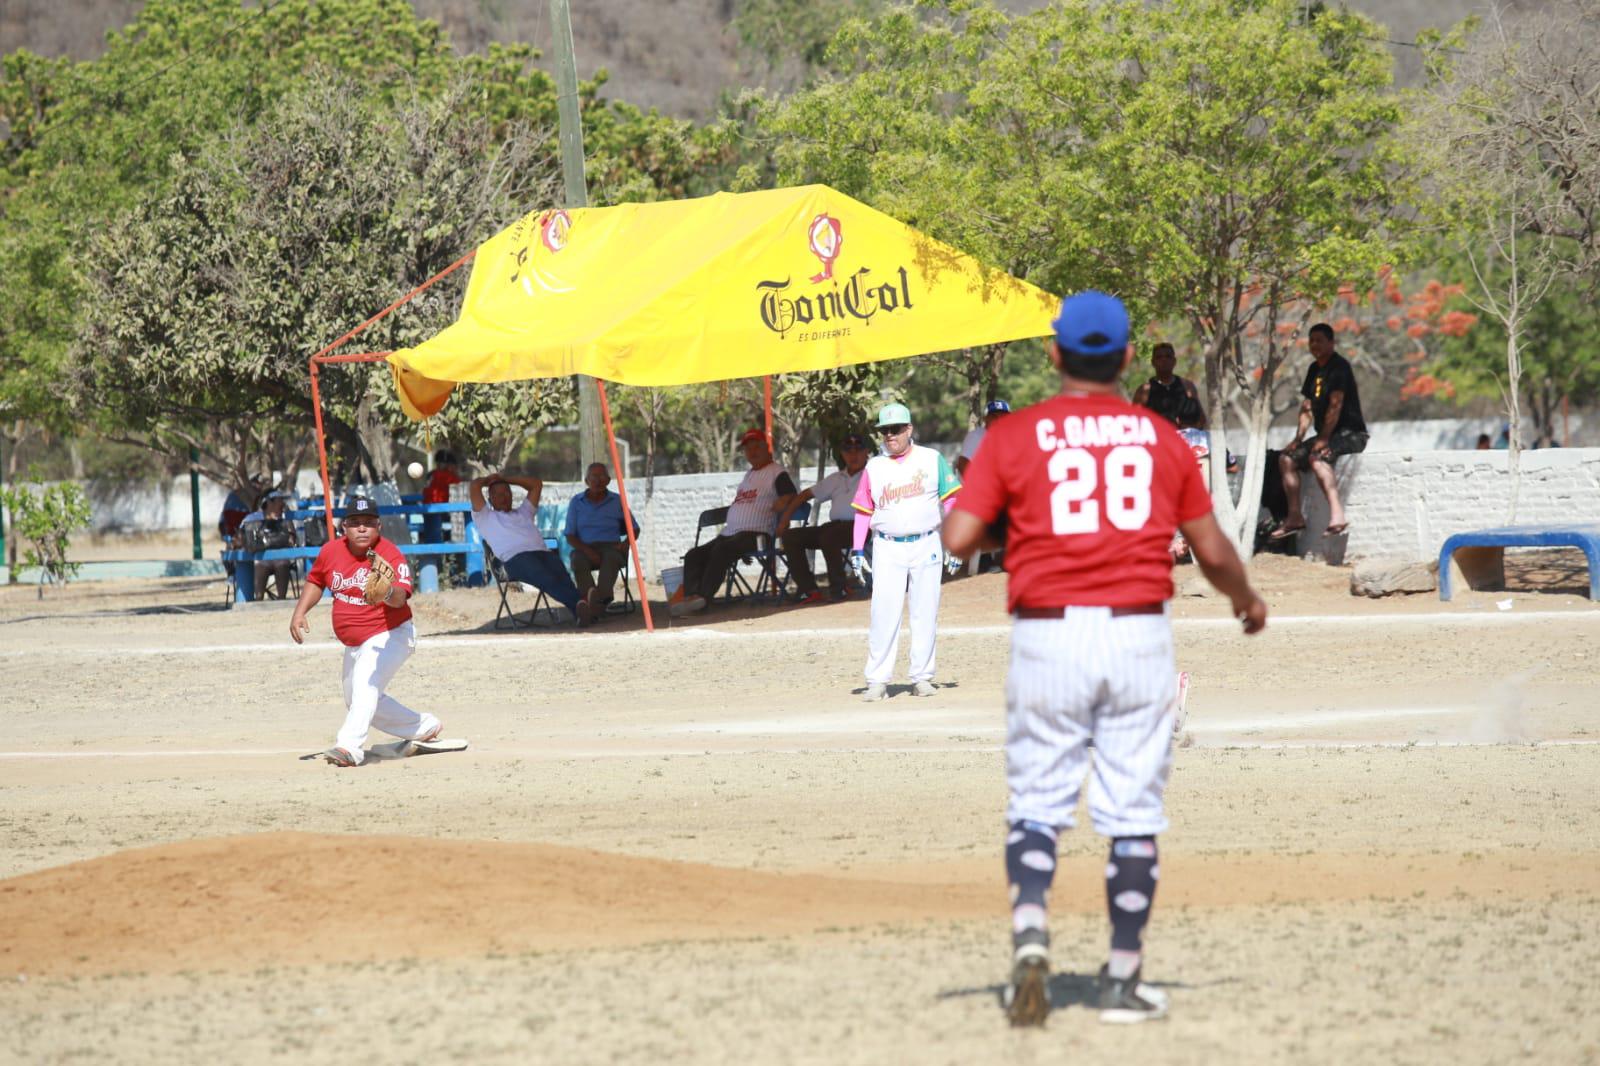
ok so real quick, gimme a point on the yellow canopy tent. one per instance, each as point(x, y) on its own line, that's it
point(727, 286)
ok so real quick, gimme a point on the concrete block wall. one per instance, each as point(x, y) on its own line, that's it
point(1407, 503)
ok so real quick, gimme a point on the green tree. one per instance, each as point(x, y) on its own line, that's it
point(1184, 155)
point(83, 143)
point(1560, 349)
point(204, 301)
point(1508, 132)
point(47, 518)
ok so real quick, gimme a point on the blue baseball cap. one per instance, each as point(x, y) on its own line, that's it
point(997, 406)
point(1092, 323)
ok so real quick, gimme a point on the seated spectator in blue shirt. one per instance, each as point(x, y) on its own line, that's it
point(598, 539)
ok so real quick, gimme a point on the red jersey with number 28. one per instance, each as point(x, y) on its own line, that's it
point(1092, 488)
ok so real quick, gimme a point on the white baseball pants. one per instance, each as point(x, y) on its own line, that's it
point(904, 571)
point(1081, 676)
point(368, 669)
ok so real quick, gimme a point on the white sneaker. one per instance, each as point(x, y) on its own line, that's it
point(688, 605)
point(922, 688)
point(875, 693)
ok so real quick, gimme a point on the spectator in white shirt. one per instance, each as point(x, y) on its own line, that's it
point(833, 537)
point(765, 486)
point(512, 533)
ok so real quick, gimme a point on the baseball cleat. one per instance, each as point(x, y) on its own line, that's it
point(814, 596)
point(922, 688)
point(339, 757)
point(1128, 1002)
point(875, 693)
point(1027, 997)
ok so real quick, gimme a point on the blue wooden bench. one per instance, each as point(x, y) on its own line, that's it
point(1480, 554)
point(427, 573)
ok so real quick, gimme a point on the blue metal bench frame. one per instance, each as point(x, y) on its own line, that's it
point(427, 574)
point(1489, 547)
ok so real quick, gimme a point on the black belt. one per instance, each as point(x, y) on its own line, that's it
point(1116, 612)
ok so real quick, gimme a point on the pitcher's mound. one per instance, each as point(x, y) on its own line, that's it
point(277, 898)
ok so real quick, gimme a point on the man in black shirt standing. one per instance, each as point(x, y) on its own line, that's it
point(1331, 405)
point(1166, 392)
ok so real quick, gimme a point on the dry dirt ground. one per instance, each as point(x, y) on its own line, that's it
point(701, 846)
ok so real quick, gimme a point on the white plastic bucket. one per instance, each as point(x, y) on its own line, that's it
point(672, 583)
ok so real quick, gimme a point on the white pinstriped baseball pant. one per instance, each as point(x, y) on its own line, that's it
point(368, 669)
point(1086, 675)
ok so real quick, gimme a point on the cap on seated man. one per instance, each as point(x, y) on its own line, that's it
point(512, 533)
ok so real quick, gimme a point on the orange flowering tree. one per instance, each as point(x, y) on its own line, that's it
point(1388, 330)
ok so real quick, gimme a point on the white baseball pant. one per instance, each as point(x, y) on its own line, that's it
point(901, 571)
point(1086, 675)
point(368, 669)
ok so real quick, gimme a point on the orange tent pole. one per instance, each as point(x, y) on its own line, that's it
point(426, 284)
point(766, 388)
point(627, 514)
point(322, 450)
point(316, 407)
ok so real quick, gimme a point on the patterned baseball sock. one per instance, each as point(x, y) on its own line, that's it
point(1030, 868)
point(1131, 876)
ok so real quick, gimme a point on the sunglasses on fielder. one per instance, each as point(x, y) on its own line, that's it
point(893, 431)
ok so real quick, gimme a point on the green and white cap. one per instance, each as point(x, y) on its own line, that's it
point(894, 414)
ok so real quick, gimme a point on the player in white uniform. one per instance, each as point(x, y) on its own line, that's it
point(1090, 489)
point(900, 503)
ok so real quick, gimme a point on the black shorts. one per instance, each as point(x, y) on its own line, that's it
point(1343, 442)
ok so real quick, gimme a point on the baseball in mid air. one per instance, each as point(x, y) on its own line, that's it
point(415, 469)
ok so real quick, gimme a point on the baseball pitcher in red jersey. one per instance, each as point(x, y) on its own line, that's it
point(371, 582)
point(1089, 489)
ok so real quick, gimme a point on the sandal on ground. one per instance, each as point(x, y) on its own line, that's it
point(1285, 532)
point(1336, 529)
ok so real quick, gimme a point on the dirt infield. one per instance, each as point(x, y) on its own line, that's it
point(702, 845)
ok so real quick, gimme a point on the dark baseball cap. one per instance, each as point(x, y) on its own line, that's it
point(361, 504)
point(997, 407)
point(853, 440)
point(1092, 323)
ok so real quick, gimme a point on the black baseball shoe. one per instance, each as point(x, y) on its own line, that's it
point(1027, 998)
point(1127, 1002)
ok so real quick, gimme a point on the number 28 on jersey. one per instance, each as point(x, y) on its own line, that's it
point(1100, 468)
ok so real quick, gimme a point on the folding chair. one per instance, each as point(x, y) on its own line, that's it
point(771, 584)
point(735, 587)
point(505, 617)
point(625, 605)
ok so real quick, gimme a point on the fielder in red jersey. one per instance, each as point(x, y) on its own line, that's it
point(378, 637)
point(1090, 489)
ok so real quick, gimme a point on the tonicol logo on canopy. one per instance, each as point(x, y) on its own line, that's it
point(830, 307)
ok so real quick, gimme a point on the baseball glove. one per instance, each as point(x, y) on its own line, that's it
point(380, 578)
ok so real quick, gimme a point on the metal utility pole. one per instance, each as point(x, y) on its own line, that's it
point(591, 439)
point(194, 498)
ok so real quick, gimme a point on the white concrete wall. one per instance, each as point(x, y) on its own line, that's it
point(1407, 503)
